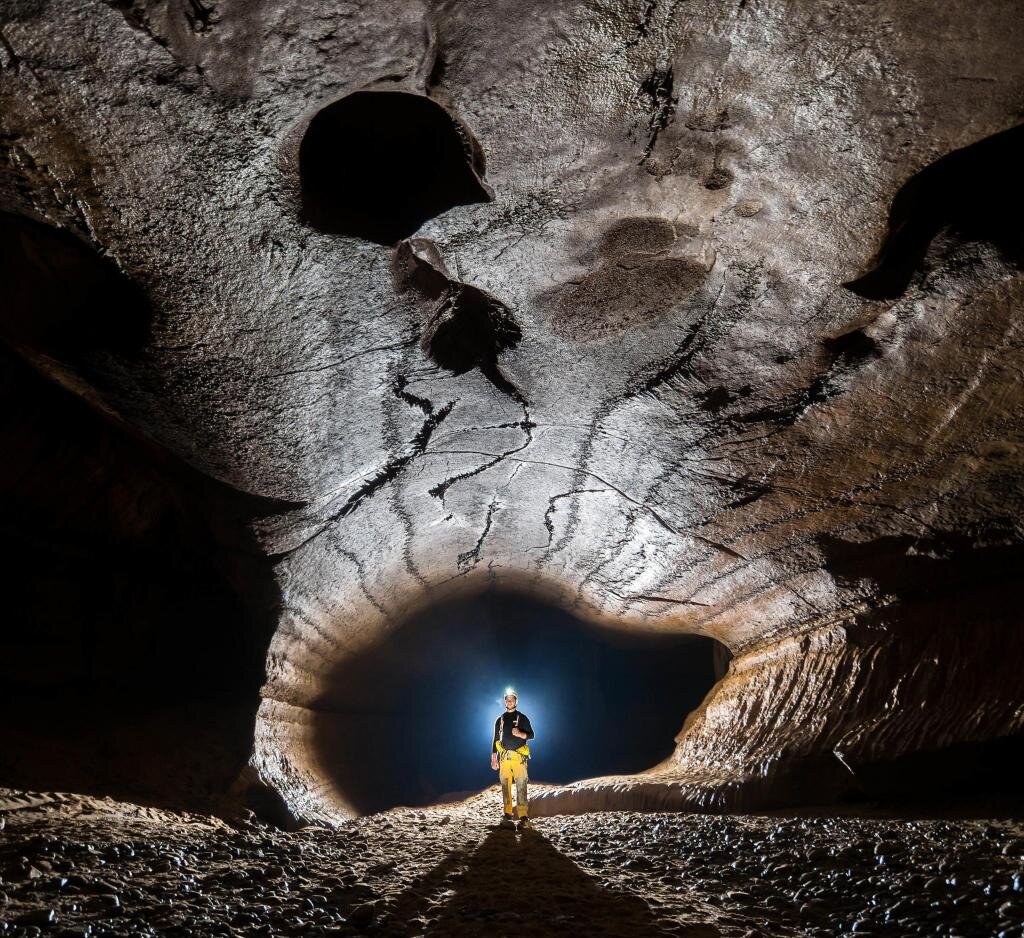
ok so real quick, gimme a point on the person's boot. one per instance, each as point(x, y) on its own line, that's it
point(524, 823)
point(507, 821)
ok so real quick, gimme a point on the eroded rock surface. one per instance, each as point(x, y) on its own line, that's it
point(635, 382)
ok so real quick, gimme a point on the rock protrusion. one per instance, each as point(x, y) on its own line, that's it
point(467, 327)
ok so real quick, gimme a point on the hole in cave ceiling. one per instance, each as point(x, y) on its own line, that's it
point(378, 164)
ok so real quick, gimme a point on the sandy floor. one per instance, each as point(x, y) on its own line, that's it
point(82, 866)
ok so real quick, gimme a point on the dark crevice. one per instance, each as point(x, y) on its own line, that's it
point(977, 192)
point(644, 24)
point(660, 103)
point(391, 470)
point(199, 15)
point(526, 425)
point(378, 164)
point(553, 507)
point(665, 599)
point(394, 467)
point(399, 389)
point(14, 61)
point(471, 557)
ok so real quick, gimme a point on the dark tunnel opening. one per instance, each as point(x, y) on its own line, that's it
point(409, 721)
point(378, 164)
point(137, 613)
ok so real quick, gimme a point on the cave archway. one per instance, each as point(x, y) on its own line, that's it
point(408, 721)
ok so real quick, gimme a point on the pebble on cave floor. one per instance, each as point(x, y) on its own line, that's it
point(81, 866)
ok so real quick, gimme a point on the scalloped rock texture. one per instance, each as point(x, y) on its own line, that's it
point(633, 381)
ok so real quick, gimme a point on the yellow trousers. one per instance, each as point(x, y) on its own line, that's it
point(512, 768)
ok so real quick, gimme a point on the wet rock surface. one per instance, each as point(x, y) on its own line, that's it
point(79, 866)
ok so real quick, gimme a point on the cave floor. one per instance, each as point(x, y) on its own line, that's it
point(73, 865)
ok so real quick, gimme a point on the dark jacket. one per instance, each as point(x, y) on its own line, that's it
point(503, 730)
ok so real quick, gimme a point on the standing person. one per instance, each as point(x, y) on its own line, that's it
point(511, 731)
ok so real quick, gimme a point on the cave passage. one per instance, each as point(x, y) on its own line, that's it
point(409, 721)
point(378, 164)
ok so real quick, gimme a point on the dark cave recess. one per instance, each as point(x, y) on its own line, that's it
point(409, 720)
point(976, 191)
point(137, 613)
point(377, 164)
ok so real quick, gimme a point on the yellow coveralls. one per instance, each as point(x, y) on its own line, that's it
point(512, 768)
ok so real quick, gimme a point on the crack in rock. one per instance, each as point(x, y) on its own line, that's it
point(471, 557)
point(526, 425)
point(391, 469)
point(553, 507)
point(656, 91)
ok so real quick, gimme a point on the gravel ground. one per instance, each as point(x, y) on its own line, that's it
point(81, 866)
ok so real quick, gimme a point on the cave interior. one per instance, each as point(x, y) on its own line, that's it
point(359, 364)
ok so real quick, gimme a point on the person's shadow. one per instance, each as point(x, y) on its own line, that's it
point(518, 883)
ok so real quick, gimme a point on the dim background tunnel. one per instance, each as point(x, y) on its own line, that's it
point(411, 719)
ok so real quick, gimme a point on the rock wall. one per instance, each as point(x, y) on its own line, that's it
point(707, 320)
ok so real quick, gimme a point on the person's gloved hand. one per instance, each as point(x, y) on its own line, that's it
point(494, 761)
